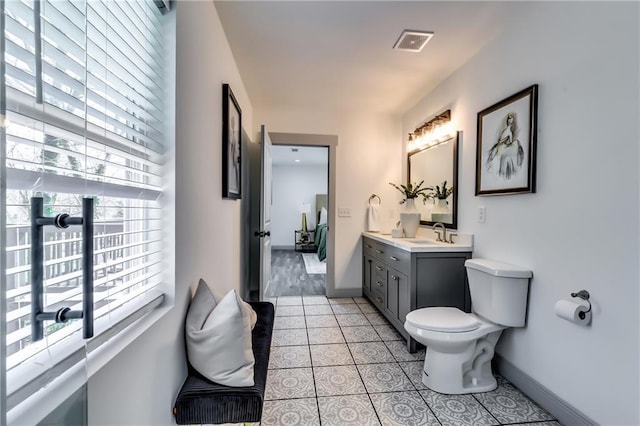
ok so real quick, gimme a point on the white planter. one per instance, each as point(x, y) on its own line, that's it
point(410, 219)
point(440, 206)
point(440, 211)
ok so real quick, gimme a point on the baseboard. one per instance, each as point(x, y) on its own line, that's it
point(283, 248)
point(350, 292)
point(557, 407)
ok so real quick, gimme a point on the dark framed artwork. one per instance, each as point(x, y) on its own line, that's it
point(506, 149)
point(231, 139)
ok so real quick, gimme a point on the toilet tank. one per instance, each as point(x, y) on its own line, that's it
point(498, 291)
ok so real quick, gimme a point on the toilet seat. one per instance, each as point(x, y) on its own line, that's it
point(443, 319)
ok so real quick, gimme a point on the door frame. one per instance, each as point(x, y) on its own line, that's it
point(330, 142)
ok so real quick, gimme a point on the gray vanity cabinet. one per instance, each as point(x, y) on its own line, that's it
point(397, 281)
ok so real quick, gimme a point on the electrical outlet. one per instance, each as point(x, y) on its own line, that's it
point(344, 212)
point(482, 214)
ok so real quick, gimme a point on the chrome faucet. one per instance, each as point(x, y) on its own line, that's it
point(442, 238)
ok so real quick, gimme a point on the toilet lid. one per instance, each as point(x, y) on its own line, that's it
point(451, 320)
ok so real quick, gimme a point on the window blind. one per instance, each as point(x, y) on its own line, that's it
point(84, 117)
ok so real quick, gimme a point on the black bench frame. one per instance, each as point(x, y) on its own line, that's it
point(201, 401)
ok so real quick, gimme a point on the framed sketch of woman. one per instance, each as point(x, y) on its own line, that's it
point(506, 150)
point(231, 140)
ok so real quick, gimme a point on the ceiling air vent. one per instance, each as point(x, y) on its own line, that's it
point(412, 41)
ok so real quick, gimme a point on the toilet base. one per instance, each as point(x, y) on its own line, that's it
point(464, 372)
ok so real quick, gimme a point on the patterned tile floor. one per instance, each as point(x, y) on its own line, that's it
point(338, 362)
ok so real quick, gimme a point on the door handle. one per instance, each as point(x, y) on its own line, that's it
point(61, 221)
point(262, 234)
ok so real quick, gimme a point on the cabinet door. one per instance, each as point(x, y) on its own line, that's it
point(391, 298)
point(398, 302)
point(367, 272)
point(404, 297)
point(441, 281)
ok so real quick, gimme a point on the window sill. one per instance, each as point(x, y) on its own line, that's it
point(101, 349)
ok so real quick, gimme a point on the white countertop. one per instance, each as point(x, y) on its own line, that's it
point(425, 241)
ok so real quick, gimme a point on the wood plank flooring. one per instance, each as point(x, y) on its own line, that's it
point(289, 278)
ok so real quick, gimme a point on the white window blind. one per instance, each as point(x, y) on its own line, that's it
point(84, 117)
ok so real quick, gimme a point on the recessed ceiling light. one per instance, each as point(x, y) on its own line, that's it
point(412, 41)
point(296, 160)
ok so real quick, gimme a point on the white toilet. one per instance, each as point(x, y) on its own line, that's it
point(460, 345)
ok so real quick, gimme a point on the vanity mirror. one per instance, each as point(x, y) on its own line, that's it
point(435, 165)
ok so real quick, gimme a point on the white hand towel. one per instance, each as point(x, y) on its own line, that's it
point(373, 218)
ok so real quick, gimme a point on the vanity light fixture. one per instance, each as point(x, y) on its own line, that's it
point(432, 132)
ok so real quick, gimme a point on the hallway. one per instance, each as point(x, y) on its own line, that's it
point(289, 277)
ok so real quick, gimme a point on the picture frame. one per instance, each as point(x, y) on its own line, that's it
point(506, 145)
point(231, 142)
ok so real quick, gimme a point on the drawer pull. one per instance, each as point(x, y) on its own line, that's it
point(379, 300)
point(393, 258)
point(379, 268)
point(379, 283)
point(367, 245)
point(379, 251)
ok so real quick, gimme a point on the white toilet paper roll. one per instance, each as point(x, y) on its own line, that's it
point(571, 312)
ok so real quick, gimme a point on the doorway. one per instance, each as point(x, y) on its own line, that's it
point(300, 183)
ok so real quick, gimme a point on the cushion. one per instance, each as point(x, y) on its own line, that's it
point(202, 402)
point(253, 317)
point(219, 347)
point(323, 216)
point(201, 306)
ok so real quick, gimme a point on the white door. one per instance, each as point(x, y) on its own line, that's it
point(265, 212)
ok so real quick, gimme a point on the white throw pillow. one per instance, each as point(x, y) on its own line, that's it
point(323, 216)
point(221, 349)
point(253, 317)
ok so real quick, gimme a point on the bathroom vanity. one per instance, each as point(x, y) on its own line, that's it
point(403, 274)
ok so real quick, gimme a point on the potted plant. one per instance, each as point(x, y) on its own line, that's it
point(410, 218)
point(413, 191)
point(441, 193)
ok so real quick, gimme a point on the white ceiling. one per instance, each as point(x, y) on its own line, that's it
point(338, 54)
point(305, 156)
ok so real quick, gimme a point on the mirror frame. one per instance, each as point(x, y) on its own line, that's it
point(454, 212)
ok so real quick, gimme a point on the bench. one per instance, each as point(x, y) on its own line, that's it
point(201, 401)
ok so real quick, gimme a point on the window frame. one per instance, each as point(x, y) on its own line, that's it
point(110, 340)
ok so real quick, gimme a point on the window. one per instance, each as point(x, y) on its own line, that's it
point(83, 110)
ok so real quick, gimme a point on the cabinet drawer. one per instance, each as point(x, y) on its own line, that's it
point(379, 285)
point(368, 247)
point(397, 259)
point(378, 301)
point(380, 251)
point(378, 270)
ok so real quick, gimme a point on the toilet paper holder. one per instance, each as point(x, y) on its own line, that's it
point(584, 295)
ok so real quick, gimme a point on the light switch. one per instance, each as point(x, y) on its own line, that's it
point(482, 214)
point(344, 212)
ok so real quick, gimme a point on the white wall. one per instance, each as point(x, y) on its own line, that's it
point(368, 157)
point(139, 386)
point(580, 230)
point(292, 186)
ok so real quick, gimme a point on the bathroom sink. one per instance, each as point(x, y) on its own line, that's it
point(421, 241)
